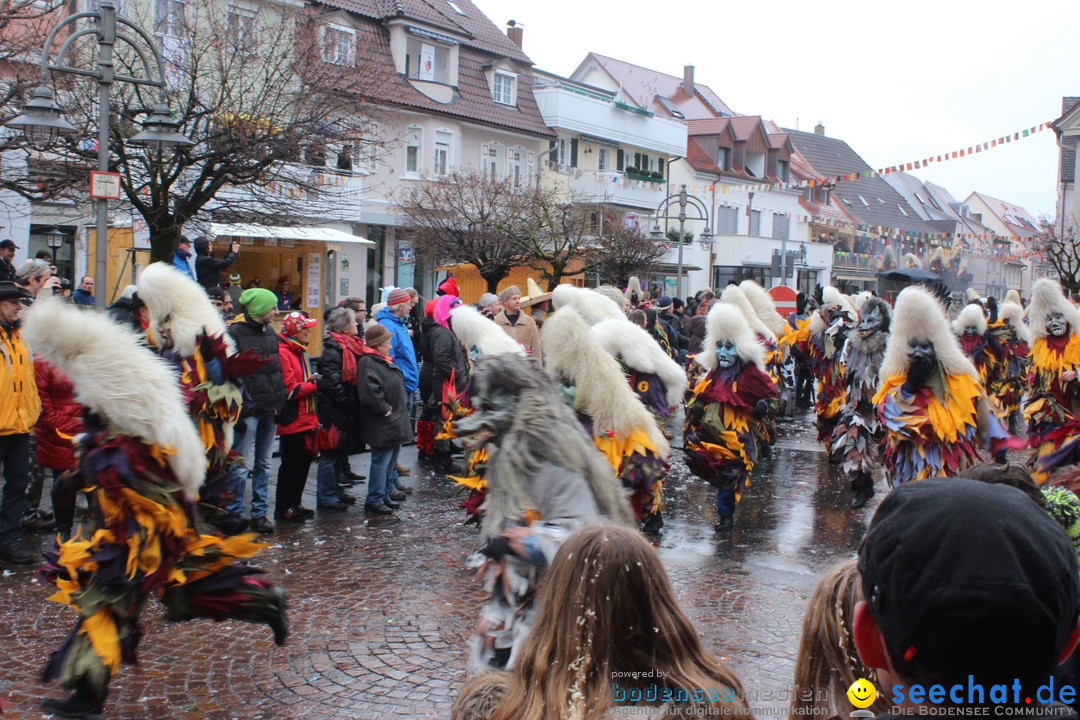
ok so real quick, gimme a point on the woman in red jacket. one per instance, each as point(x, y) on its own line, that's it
point(300, 386)
point(60, 421)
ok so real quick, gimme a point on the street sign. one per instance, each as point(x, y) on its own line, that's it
point(784, 297)
point(104, 185)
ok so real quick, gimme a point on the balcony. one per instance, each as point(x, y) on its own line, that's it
point(571, 108)
point(616, 188)
point(855, 261)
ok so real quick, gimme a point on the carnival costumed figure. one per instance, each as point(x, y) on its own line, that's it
point(858, 433)
point(189, 333)
point(764, 427)
point(141, 463)
point(934, 410)
point(765, 309)
point(1015, 341)
point(797, 337)
point(735, 394)
point(613, 416)
point(443, 377)
point(545, 480)
point(657, 379)
point(480, 337)
point(592, 305)
point(1054, 394)
point(829, 330)
point(970, 328)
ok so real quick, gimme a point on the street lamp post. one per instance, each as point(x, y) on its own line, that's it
point(41, 120)
point(683, 200)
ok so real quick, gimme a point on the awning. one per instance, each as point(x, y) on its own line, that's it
point(853, 276)
point(279, 232)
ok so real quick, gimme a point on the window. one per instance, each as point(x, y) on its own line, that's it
point(453, 4)
point(783, 173)
point(863, 201)
point(369, 149)
point(727, 220)
point(503, 88)
point(414, 137)
point(426, 61)
point(443, 145)
point(723, 158)
point(169, 18)
point(602, 161)
point(642, 162)
point(315, 154)
point(517, 164)
point(345, 158)
point(901, 209)
point(339, 44)
point(755, 222)
point(241, 29)
point(781, 227)
point(489, 160)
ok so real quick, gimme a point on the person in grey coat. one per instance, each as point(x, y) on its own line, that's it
point(383, 418)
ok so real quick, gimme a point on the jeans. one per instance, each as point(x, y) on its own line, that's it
point(382, 474)
point(256, 444)
point(15, 459)
point(725, 503)
point(331, 470)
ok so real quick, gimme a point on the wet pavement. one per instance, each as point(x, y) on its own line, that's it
point(381, 609)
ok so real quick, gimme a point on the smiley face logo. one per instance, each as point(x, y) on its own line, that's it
point(862, 693)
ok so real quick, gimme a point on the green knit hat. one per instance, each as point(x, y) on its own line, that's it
point(258, 301)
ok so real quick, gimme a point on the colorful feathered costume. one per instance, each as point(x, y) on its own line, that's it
point(480, 337)
point(545, 480)
point(735, 393)
point(934, 410)
point(613, 416)
point(141, 462)
point(858, 433)
point(1009, 386)
point(829, 328)
point(189, 333)
point(764, 427)
point(978, 345)
point(1054, 396)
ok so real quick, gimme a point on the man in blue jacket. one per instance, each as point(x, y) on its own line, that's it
point(182, 257)
point(392, 317)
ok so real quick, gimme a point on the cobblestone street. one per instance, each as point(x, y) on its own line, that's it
point(381, 609)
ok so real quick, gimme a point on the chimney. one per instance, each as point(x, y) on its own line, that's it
point(688, 80)
point(819, 129)
point(514, 32)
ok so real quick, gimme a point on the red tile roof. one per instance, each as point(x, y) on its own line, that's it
point(642, 85)
point(827, 213)
point(481, 32)
point(699, 159)
point(1000, 208)
point(472, 98)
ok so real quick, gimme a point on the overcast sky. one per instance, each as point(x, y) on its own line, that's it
point(897, 81)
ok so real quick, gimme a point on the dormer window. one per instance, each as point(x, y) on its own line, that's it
point(454, 5)
point(504, 88)
point(339, 44)
point(723, 159)
point(427, 61)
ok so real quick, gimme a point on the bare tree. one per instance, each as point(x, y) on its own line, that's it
point(1061, 250)
point(622, 251)
point(466, 217)
point(276, 109)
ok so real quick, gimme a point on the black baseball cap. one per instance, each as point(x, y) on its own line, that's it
point(8, 244)
point(965, 578)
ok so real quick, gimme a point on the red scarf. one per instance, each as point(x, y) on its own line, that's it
point(351, 348)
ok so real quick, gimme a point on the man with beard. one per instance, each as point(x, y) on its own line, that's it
point(1054, 396)
point(859, 433)
point(726, 406)
point(934, 410)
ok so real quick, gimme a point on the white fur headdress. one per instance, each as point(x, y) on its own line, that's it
point(572, 352)
point(179, 309)
point(764, 307)
point(912, 261)
point(613, 294)
point(591, 306)
point(725, 322)
point(118, 378)
point(732, 295)
point(633, 286)
point(971, 295)
point(830, 298)
point(1013, 297)
point(919, 316)
point(1013, 315)
point(860, 300)
point(638, 351)
point(474, 330)
point(1046, 298)
point(972, 314)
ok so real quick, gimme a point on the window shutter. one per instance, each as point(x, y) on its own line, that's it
point(573, 153)
point(483, 153)
point(553, 152)
point(660, 165)
point(620, 160)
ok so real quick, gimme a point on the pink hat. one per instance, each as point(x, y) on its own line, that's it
point(443, 307)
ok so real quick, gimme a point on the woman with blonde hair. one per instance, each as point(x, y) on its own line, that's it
point(610, 634)
point(828, 663)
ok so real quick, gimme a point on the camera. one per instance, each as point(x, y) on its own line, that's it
point(65, 284)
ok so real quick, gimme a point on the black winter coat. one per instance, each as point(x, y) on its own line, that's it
point(336, 403)
point(383, 419)
point(442, 356)
point(697, 333)
point(208, 268)
point(265, 386)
